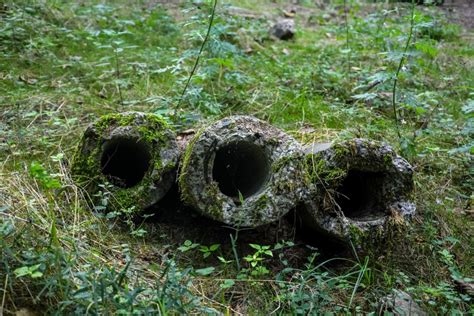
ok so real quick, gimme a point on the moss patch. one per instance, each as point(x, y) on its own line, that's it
point(147, 128)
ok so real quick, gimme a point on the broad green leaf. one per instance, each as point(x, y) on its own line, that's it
point(255, 246)
point(21, 271)
point(227, 284)
point(205, 271)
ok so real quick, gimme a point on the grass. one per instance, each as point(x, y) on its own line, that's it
point(64, 63)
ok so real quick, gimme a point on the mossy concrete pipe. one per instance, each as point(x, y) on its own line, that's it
point(134, 153)
point(358, 187)
point(242, 171)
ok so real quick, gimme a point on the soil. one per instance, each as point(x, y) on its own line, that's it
point(460, 12)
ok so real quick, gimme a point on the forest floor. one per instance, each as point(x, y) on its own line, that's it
point(64, 64)
point(460, 12)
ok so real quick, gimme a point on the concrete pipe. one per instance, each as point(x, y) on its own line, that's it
point(241, 171)
point(136, 153)
point(358, 186)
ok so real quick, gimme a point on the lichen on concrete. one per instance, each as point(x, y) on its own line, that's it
point(357, 187)
point(242, 171)
point(134, 153)
point(283, 29)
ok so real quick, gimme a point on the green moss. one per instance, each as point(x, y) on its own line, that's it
point(289, 184)
point(157, 164)
point(155, 130)
point(115, 119)
point(356, 235)
point(281, 163)
point(318, 169)
point(185, 162)
point(152, 130)
point(216, 202)
point(388, 159)
point(82, 169)
point(125, 199)
point(261, 203)
point(372, 239)
point(342, 151)
point(313, 166)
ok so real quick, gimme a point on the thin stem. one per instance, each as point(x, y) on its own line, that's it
point(117, 73)
point(346, 12)
point(233, 241)
point(4, 293)
point(400, 65)
point(211, 20)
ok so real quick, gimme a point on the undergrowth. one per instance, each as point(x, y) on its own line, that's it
point(64, 63)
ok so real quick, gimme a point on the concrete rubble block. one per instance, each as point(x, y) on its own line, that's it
point(401, 304)
point(135, 153)
point(242, 171)
point(358, 187)
point(284, 29)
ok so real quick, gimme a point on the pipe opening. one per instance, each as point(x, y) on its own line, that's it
point(125, 161)
point(240, 167)
point(360, 195)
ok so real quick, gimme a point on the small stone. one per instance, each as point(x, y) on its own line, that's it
point(284, 29)
point(400, 303)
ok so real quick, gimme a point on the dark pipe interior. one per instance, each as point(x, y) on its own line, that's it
point(361, 195)
point(125, 161)
point(240, 167)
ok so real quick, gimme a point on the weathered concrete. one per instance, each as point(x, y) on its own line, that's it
point(358, 186)
point(401, 304)
point(136, 153)
point(284, 29)
point(242, 171)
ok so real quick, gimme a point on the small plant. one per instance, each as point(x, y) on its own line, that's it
point(207, 251)
point(224, 260)
point(256, 260)
point(308, 291)
point(187, 246)
point(123, 215)
point(38, 172)
point(31, 271)
point(226, 284)
point(127, 216)
point(103, 196)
